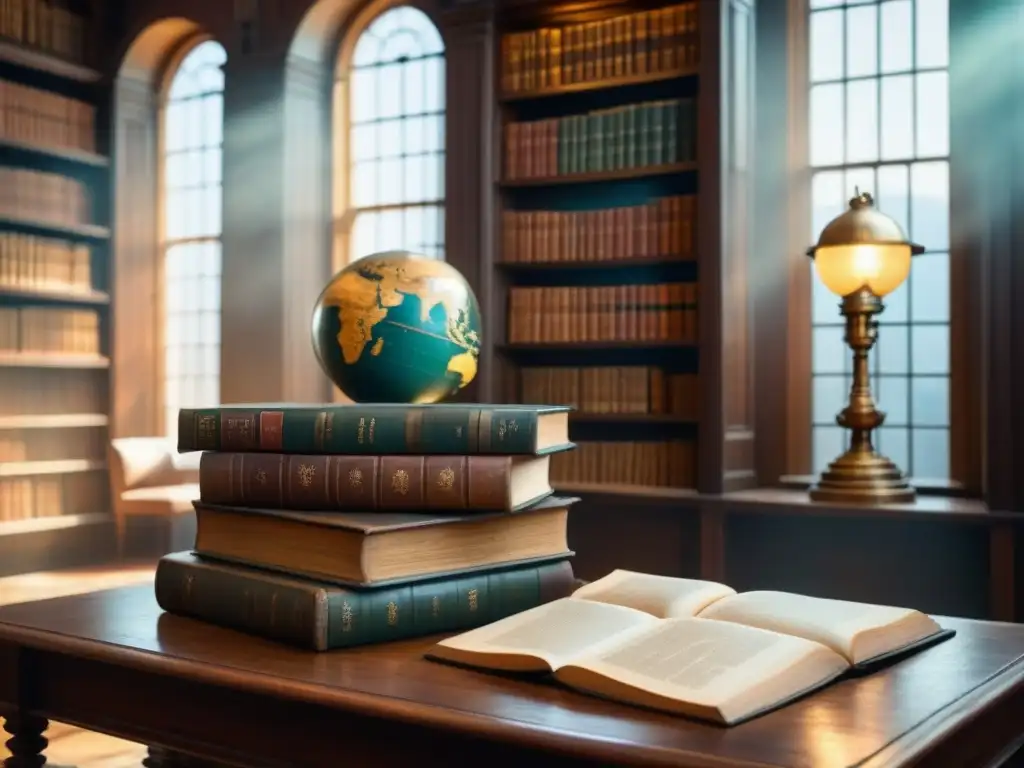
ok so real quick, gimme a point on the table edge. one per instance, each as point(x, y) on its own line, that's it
point(475, 724)
point(923, 737)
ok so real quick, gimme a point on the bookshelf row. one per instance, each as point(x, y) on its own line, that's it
point(46, 25)
point(629, 137)
point(38, 445)
point(658, 463)
point(633, 389)
point(552, 58)
point(660, 229)
point(42, 118)
point(49, 330)
point(54, 495)
point(32, 194)
point(64, 398)
point(28, 261)
point(656, 312)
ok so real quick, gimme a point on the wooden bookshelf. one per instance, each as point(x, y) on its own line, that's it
point(605, 294)
point(596, 242)
point(54, 276)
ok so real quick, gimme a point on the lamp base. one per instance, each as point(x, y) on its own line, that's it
point(859, 477)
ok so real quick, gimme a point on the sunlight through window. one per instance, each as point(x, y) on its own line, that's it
point(879, 120)
point(396, 140)
point(193, 133)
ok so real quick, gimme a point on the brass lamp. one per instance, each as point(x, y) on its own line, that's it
point(862, 256)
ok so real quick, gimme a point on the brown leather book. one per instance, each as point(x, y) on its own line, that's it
point(364, 483)
point(377, 548)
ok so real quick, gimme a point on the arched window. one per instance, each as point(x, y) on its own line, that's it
point(879, 120)
point(396, 126)
point(193, 132)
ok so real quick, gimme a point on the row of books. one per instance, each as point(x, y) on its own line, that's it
point(372, 522)
point(53, 495)
point(638, 389)
point(658, 312)
point(49, 329)
point(46, 24)
point(659, 463)
point(52, 444)
point(661, 229)
point(44, 196)
point(27, 392)
point(44, 118)
point(659, 40)
point(633, 136)
point(29, 261)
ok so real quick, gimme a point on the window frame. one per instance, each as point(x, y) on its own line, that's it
point(168, 71)
point(343, 213)
point(966, 455)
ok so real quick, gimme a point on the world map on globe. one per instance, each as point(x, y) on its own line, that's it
point(396, 327)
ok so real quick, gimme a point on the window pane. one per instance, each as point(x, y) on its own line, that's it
point(826, 45)
point(193, 135)
point(396, 139)
point(887, 119)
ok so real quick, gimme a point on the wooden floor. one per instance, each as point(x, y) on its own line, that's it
point(71, 746)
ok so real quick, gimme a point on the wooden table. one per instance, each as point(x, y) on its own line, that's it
point(111, 662)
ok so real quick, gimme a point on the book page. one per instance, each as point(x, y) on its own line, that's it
point(859, 631)
point(663, 596)
point(705, 666)
point(544, 638)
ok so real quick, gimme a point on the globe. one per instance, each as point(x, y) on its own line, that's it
point(397, 327)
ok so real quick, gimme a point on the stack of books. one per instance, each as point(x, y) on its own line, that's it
point(331, 526)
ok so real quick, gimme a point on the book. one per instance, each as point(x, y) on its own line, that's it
point(363, 483)
point(321, 616)
point(694, 648)
point(377, 548)
point(374, 429)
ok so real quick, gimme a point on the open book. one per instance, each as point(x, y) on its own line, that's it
point(694, 648)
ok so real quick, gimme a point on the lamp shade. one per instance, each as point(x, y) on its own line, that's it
point(863, 248)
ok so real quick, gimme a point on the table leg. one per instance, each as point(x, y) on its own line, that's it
point(27, 742)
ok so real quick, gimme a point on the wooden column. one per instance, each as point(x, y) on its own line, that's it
point(725, 135)
point(136, 352)
point(469, 176)
point(275, 230)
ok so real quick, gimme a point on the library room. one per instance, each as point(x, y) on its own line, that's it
point(715, 297)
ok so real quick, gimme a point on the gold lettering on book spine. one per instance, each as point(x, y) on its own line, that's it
point(373, 426)
point(446, 479)
point(400, 482)
point(355, 478)
point(474, 599)
point(206, 428)
point(346, 617)
point(392, 614)
point(260, 477)
point(361, 431)
point(435, 606)
point(306, 474)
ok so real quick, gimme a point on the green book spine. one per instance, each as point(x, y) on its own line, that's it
point(564, 146)
point(629, 137)
point(322, 617)
point(361, 429)
point(643, 134)
point(582, 142)
point(655, 149)
point(594, 143)
point(611, 139)
point(670, 148)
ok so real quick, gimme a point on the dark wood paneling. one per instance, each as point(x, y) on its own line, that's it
point(938, 567)
point(649, 538)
